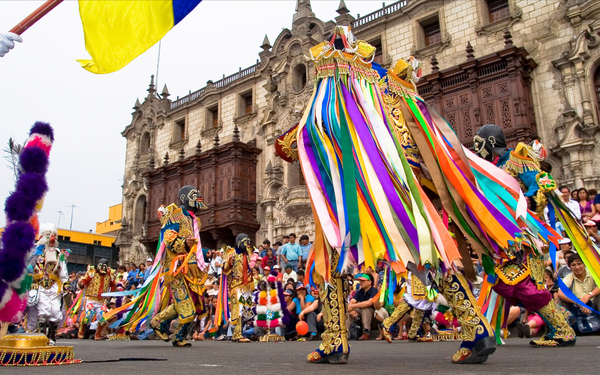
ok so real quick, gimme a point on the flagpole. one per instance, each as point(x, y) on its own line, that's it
point(35, 16)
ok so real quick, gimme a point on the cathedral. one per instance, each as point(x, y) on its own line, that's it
point(531, 67)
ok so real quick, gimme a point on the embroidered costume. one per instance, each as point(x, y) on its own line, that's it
point(98, 280)
point(416, 298)
point(367, 203)
point(50, 279)
point(183, 269)
point(519, 277)
point(239, 284)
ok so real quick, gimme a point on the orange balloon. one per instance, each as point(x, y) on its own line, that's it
point(302, 328)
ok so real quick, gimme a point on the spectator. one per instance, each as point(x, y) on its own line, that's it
point(361, 305)
point(565, 270)
point(207, 255)
point(279, 274)
point(300, 275)
point(311, 309)
point(286, 239)
point(216, 264)
point(583, 286)
point(305, 247)
point(256, 276)
point(131, 280)
point(277, 248)
point(565, 245)
point(572, 204)
point(289, 273)
point(290, 328)
point(266, 247)
point(269, 260)
point(266, 272)
point(149, 263)
point(121, 270)
point(592, 230)
point(254, 259)
point(140, 277)
point(214, 289)
point(291, 253)
point(73, 280)
point(588, 210)
point(574, 195)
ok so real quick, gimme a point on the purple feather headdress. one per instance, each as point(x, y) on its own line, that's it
point(22, 225)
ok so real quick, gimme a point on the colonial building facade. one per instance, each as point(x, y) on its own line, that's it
point(530, 66)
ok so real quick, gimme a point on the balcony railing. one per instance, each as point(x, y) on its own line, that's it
point(385, 10)
point(219, 84)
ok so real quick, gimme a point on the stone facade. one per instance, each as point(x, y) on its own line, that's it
point(263, 101)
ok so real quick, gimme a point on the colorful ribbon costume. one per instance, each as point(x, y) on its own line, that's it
point(367, 204)
point(97, 281)
point(239, 284)
point(177, 278)
point(520, 278)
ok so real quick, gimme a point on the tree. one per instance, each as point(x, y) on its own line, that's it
point(13, 150)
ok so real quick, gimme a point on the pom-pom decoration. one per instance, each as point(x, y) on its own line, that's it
point(22, 225)
point(271, 309)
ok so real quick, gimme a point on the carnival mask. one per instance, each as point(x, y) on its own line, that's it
point(102, 266)
point(489, 139)
point(191, 199)
point(242, 241)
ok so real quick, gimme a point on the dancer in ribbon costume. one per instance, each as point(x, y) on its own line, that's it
point(183, 269)
point(96, 281)
point(366, 202)
point(521, 279)
point(239, 283)
point(415, 298)
point(488, 207)
point(50, 277)
point(177, 278)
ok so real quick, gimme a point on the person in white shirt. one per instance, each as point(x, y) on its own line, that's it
point(571, 204)
point(216, 264)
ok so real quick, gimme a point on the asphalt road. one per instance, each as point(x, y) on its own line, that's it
point(289, 358)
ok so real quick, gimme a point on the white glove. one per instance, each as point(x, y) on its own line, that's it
point(7, 42)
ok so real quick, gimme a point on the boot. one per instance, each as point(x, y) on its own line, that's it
point(81, 332)
point(415, 325)
point(52, 333)
point(402, 309)
point(179, 339)
point(558, 331)
point(334, 348)
point(160, 323)
point(98, 336)
point(478, 337)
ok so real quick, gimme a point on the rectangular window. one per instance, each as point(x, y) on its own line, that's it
point(67, 238)
point(213, 116)
point(99, 243)
point(179, 130)
point(378, 58)
point(498, 10)
point(246, 103)
point(431, 31)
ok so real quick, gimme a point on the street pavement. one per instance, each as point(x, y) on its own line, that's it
point(289, 358)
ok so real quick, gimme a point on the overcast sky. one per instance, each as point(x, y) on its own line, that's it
point(41, 81)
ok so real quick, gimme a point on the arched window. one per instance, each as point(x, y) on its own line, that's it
point(140, 214)
point(145, 143)
point(299, 78)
